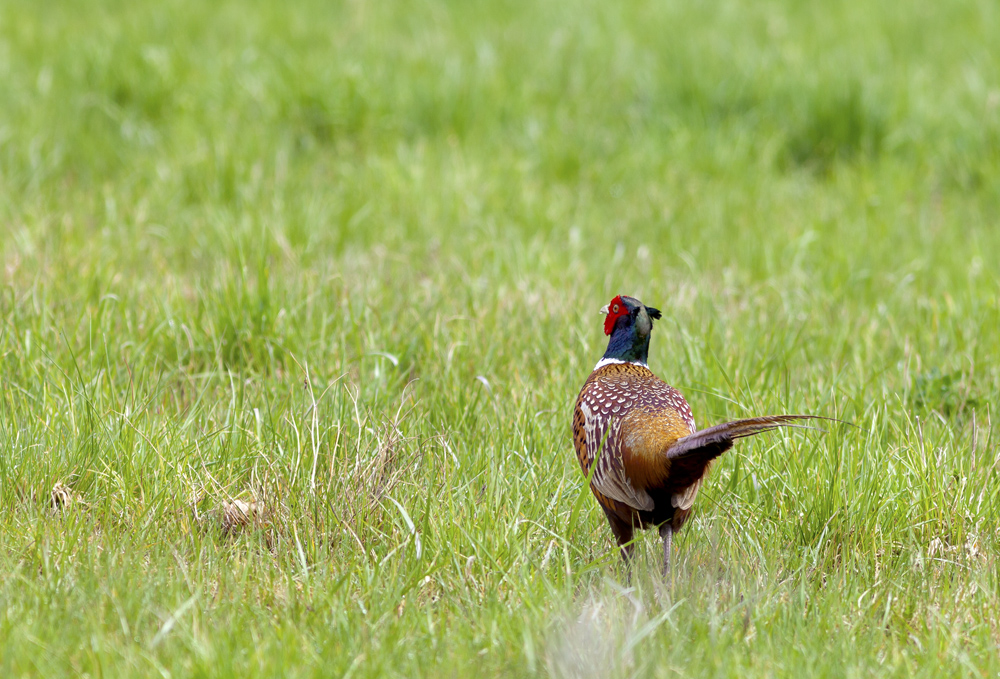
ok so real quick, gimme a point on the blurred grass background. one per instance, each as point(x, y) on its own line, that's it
point(343, 261)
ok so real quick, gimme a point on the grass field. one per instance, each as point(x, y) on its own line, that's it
point(341, 263)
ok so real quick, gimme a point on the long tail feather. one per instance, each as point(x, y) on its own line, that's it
point(691, 455)
point(712, 442)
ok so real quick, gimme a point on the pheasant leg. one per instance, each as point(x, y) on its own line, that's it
point(623, 534)
point(667, 533)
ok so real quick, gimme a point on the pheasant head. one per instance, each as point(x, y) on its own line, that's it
point(629, 325)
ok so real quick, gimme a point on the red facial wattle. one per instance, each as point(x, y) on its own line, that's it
point(615, 310)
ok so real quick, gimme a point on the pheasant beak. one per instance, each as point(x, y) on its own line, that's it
point(604, 310)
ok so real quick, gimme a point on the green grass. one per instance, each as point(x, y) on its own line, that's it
point(344, 261)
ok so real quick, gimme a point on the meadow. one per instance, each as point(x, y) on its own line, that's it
point(296, 298)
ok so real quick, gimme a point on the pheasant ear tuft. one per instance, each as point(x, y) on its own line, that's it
point(653, 313)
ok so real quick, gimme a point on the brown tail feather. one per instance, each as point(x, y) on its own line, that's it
point(720, 438)
point(689, 457)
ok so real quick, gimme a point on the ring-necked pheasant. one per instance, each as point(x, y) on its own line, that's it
point(640, 435)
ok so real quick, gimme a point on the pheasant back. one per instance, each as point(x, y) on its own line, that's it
point(625, 420)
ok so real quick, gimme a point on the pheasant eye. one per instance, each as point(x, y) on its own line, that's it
point(614, 309)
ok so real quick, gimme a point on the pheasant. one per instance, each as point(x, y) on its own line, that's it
point(635, 436)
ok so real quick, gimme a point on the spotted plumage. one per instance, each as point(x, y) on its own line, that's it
point(635, 435)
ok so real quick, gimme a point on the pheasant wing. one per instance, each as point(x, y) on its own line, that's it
point(608, 475)
point(610, 480)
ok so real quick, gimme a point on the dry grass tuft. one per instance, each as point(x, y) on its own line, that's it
point(594, 644)
point(239, 515)
point(62, 497)
point(372, 480)
point(941, 550)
